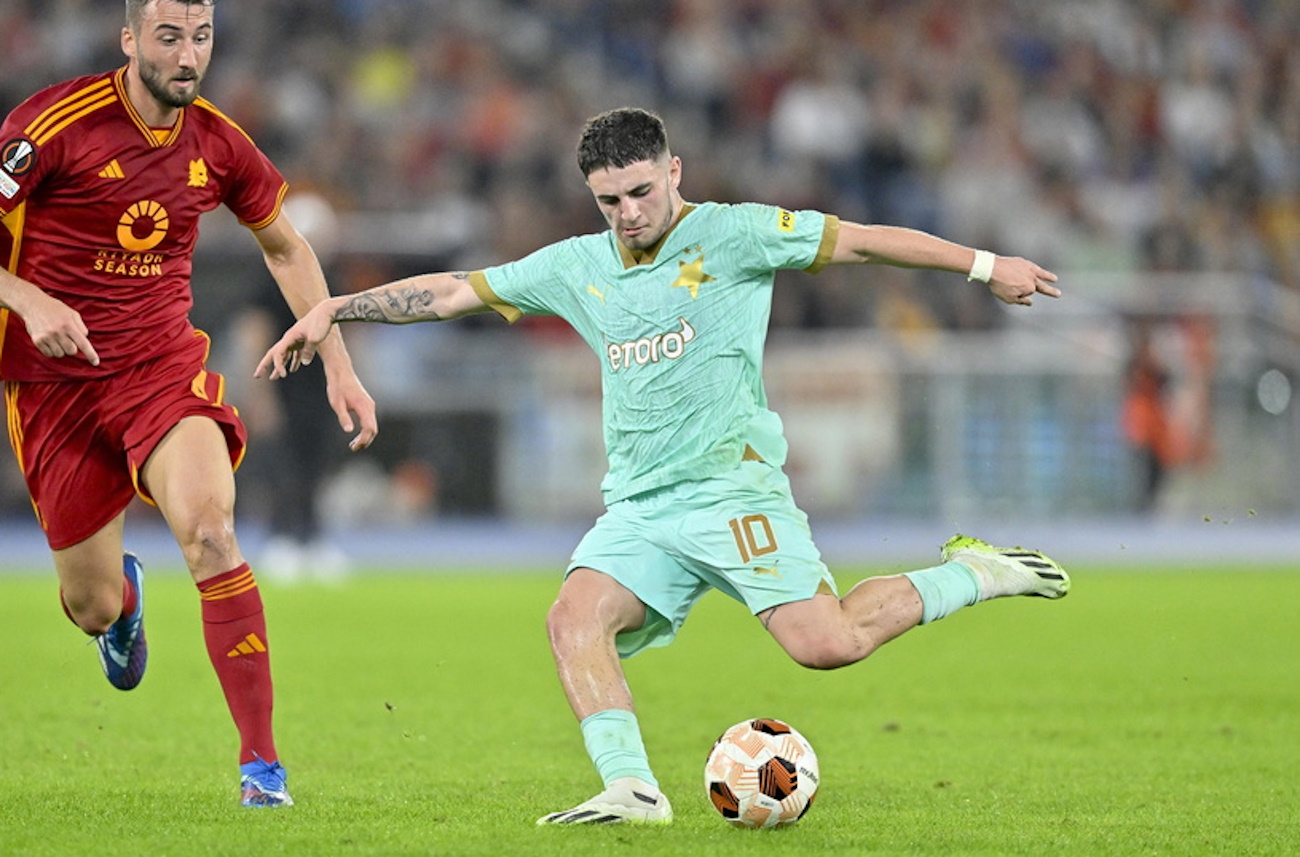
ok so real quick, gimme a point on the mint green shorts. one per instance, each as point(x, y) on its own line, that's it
point(739, 533)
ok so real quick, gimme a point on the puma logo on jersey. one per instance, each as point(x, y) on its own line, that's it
point(650, 349)
point(248, 646)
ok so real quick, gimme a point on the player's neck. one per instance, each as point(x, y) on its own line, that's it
point(154, 113)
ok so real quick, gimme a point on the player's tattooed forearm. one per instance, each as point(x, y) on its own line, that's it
point(395, 306)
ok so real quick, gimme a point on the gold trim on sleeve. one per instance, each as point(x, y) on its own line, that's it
point(830, 234)
point(478, 280)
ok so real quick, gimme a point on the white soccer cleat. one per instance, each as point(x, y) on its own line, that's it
point(1008, 571)
point(627, 800)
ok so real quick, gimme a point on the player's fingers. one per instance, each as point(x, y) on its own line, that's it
point(1044, 282)
point(285, 362)
point(83, 346)
point(273, 364)
point(364, 438)
point(369, 430)
point(59, 345)
point(271, 367)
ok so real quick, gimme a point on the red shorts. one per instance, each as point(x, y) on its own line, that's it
point(82, 444)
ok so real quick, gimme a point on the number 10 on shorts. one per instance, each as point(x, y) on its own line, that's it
point(753, 535)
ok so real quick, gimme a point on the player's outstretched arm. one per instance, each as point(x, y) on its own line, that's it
point(427, 297)
point(1012, 279)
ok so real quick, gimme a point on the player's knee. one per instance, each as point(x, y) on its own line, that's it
point(208, 543)
point(566, 624)
point(582, 617)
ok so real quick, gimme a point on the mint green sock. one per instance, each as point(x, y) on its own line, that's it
point(613, 740)
point(944, 589)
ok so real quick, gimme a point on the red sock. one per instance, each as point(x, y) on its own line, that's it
point(128, 601)
point(234, 628)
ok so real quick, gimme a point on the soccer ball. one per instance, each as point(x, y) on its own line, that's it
point(761, 773)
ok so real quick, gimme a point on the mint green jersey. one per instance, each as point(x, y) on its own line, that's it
point(679, 333)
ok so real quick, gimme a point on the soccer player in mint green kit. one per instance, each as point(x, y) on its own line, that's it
point(674, 299)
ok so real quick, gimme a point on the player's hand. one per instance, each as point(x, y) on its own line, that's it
point(1016, 281)
point(57, 329)
point(298, 346)
point(348, 397)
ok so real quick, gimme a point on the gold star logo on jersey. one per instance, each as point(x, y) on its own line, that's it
point(112, 171)
point(198, 174)
point(691, 276)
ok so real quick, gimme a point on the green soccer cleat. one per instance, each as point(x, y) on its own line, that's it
point(1008, 571)
point(627, 801)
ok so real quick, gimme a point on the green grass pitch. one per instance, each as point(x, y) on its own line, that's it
point(1151, 712)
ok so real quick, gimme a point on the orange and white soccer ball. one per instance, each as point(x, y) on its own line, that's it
point(761, 773)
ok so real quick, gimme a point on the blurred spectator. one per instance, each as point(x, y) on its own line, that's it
point(1167, 409)
point(1146, 417)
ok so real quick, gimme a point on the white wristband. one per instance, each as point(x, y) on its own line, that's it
point(982, 269)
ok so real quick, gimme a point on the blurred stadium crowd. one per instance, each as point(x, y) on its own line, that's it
point(1098, 137)
point(1088, 134)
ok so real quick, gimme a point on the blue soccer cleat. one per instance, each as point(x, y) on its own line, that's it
point(264, 784)
point(123, 651)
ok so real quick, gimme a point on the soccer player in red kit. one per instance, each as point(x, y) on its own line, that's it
point(102, 182)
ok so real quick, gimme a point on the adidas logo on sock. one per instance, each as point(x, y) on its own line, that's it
point(247, 646)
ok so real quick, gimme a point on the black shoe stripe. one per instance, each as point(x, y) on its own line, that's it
point(586, 816)
point(1050, 576)
point(575, 817)
point(644, 798)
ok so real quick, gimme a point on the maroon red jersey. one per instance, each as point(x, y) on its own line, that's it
point(102, 212)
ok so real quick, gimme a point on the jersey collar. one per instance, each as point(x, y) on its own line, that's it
point(155, 140)
point(632, 258)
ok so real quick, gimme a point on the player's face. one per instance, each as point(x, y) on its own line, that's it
point(171, 51)
point(639, 201)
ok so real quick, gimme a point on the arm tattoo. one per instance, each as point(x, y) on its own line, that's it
point(766, 617)
point(393, 306)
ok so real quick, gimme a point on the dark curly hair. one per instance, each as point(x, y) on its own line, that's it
point(621, 137)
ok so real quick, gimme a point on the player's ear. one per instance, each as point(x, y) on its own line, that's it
point(128, 42)
point(675, 171)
